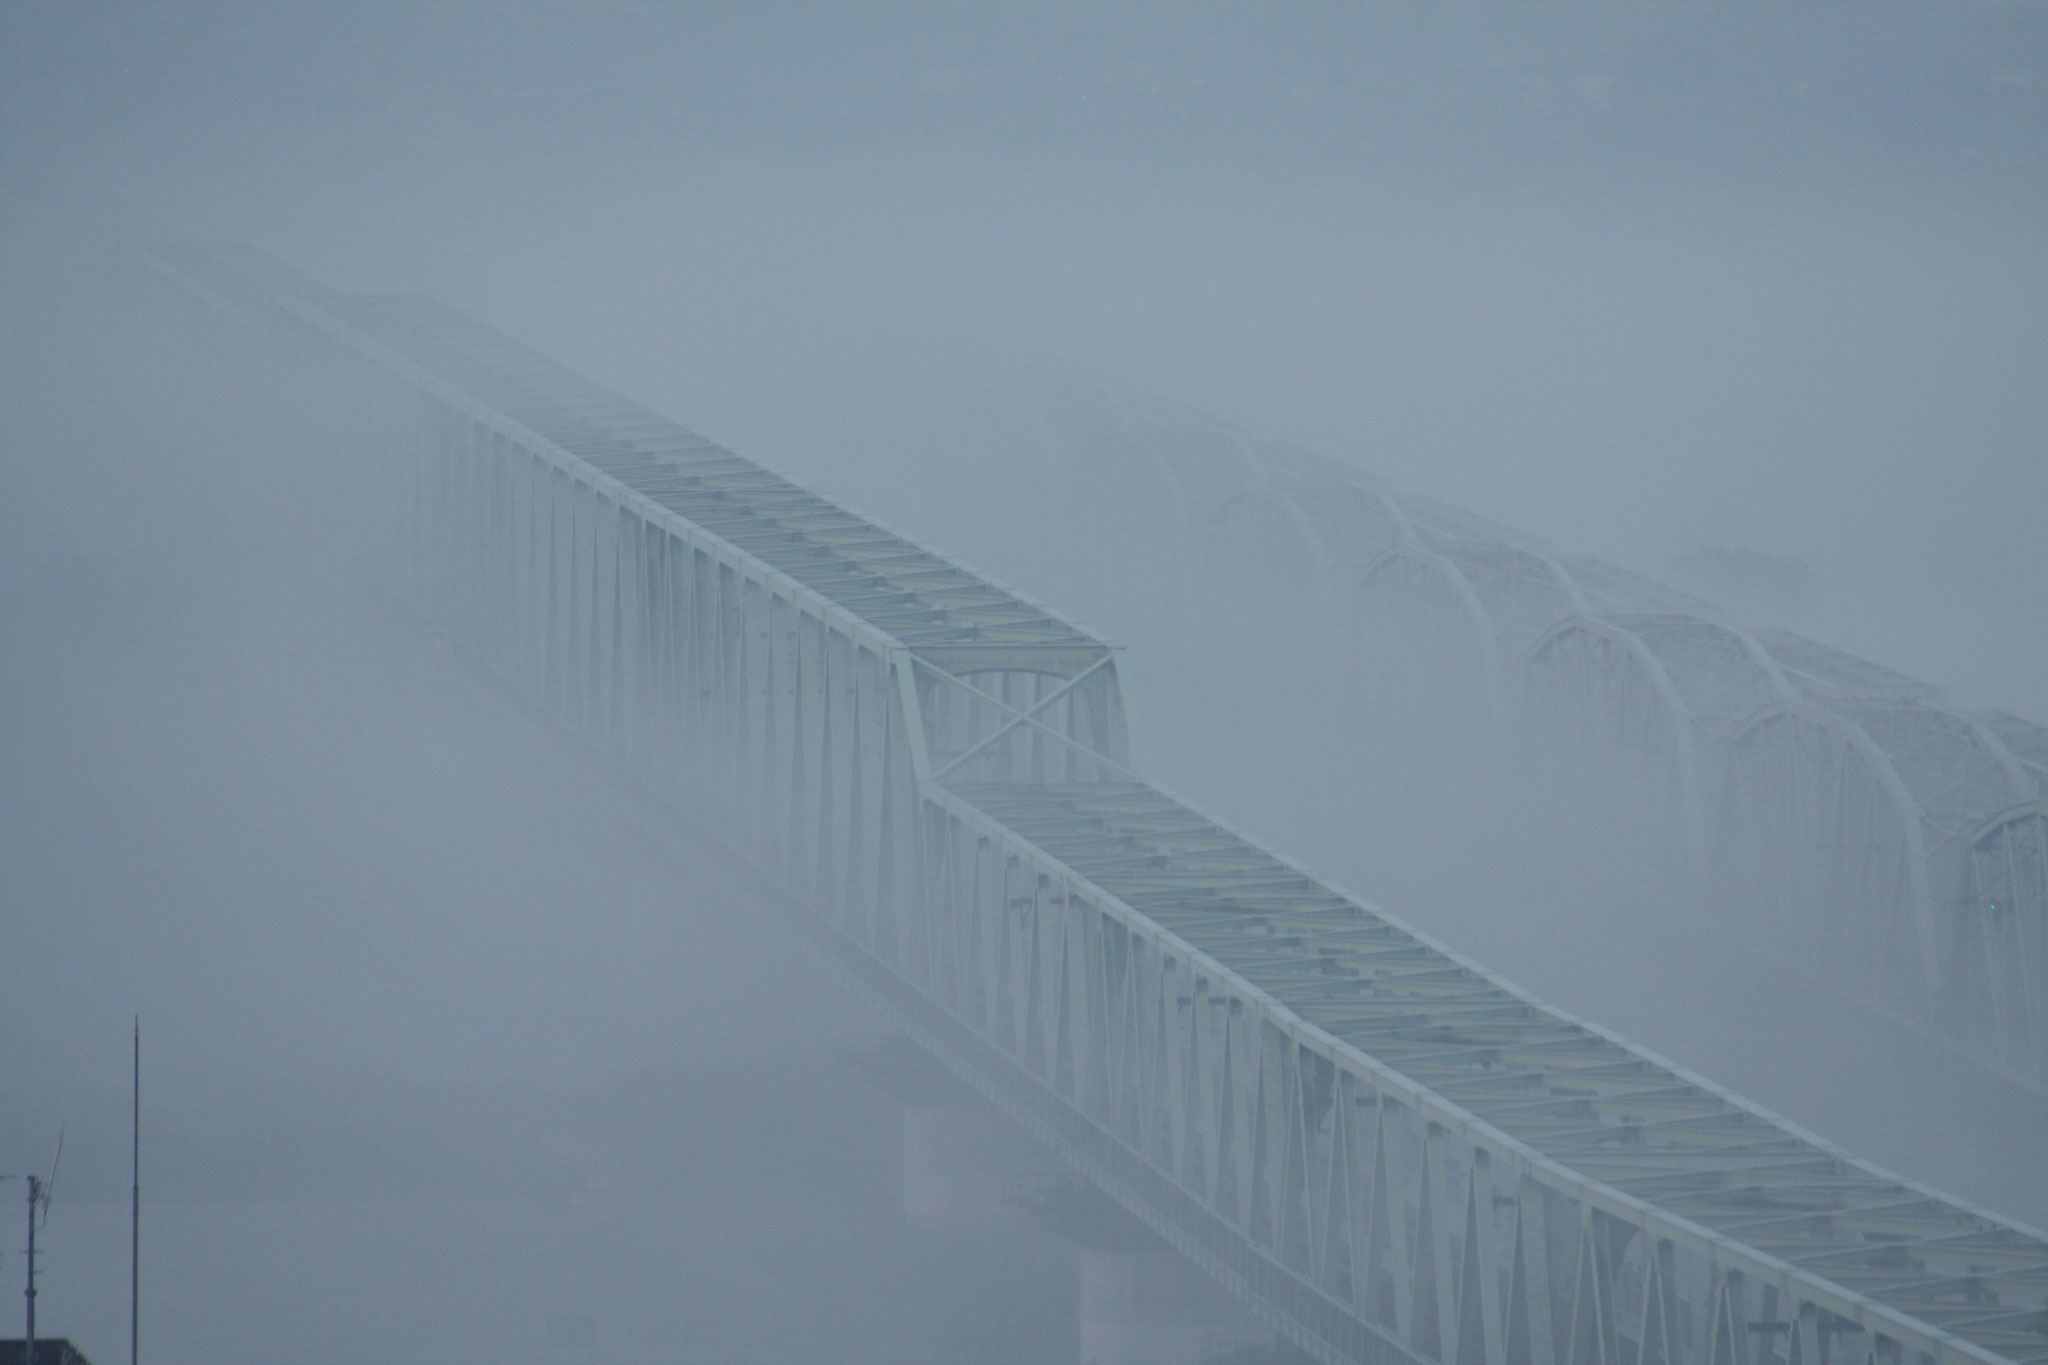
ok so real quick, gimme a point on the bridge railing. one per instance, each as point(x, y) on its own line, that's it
point(1360, 1211)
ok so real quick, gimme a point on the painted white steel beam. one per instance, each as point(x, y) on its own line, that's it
point(1387, 1152)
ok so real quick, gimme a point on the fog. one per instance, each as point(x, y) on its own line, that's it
point(452, 1047)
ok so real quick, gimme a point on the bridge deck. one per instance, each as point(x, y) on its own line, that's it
point(907, 591)
point(1591, 1102)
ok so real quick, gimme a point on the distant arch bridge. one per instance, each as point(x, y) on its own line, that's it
point(1832, 804)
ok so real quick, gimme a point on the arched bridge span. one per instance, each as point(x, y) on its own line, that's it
point(1844, 802)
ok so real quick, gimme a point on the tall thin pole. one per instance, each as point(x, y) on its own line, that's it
point(29, 1347)
point(134, 1202)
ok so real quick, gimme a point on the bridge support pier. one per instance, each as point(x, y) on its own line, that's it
point(1142, 1302)
point(961, 1159)
point(1151, 1306)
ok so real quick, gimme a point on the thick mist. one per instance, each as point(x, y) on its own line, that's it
point(449, 1048)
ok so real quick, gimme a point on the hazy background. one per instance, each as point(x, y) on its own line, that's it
point(446, 1044)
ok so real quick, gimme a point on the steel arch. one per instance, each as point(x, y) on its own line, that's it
point(1652, 700)
point(1597, 705)
point(1958, 775)
point(2004, 938)
point(1724, 675)
point(1524, 591)
point(1354, 520)
point(1259, 543)
point(1431, 653)
point(1820, 834)
point(1956, 769)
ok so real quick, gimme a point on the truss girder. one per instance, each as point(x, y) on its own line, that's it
point(1390, 1153)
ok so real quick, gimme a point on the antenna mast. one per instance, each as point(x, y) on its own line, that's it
point(38, 1204)
point(35, 1198)
point(134, 1203)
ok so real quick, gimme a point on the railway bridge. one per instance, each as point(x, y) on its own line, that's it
point(1889, 845)
point(1385, 1151)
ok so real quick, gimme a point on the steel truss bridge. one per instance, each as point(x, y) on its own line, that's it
point(1834, 807)
point(1388, 1152)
